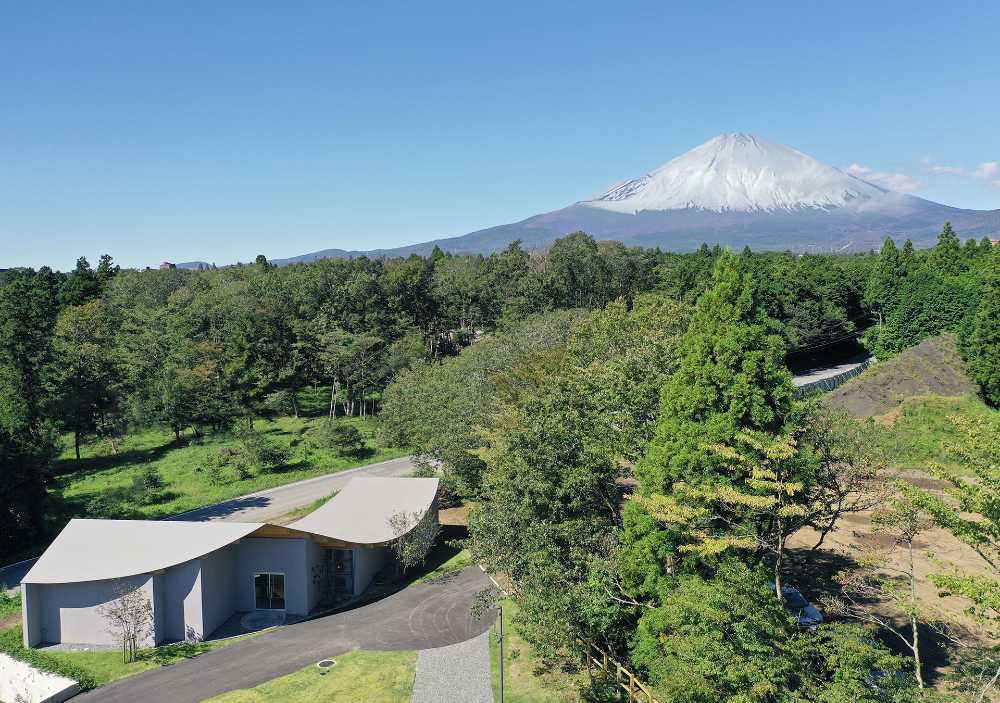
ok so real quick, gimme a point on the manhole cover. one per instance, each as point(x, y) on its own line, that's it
point(326, 664)
point(261, 619)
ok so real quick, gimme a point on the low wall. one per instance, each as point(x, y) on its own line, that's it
point(828, 384)
point(21, 681)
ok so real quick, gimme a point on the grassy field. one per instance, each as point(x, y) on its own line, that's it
point(101, 482)
point(373, 677)
point(916, 435)
point(525, 680)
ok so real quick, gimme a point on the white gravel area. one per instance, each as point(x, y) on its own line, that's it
point(458, 673)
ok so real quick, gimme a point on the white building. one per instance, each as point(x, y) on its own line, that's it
point(197, 574)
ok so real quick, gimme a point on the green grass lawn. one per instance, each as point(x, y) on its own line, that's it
point(183, 466)
point(373, 677)
point(525, 679)
point(456, 562)
point(107, 665)
point(917, 433)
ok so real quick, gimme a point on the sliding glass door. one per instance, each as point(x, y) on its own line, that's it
point(269, 591)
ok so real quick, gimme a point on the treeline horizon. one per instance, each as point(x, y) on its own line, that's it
point(101, 349)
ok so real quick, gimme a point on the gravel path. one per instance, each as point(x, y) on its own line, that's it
point(458, 673)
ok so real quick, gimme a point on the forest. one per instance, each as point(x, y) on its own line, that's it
point(622, 422)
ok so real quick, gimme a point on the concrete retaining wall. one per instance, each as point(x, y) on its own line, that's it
point(18, 679)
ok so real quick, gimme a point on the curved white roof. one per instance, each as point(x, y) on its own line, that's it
point(96, 550)
point(360, 513)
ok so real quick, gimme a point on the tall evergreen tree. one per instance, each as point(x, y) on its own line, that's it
point(731, 378)
point(946, 256)
point(882, 289)
point(983, 344)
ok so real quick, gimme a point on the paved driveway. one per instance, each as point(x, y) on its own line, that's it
point(263, 505)
point(434, 614)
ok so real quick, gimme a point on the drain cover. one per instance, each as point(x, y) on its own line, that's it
point(326, 664)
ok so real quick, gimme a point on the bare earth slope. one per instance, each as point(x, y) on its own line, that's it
point(933, 367)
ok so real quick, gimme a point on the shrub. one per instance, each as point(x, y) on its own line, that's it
point(100, 506)
point(343, 439)
point(261, 454)
point(216, 475)
point(11, 643)
point(148, 484)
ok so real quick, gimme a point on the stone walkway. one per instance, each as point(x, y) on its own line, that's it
point(458, 673)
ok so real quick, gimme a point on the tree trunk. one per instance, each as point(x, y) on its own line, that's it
point(76, 443)
point(295, 405)
point(914, 624)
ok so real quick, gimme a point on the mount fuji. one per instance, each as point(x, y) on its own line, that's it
point(734, 190)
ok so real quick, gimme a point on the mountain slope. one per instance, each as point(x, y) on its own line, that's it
point(736, 190)
point(742, 173)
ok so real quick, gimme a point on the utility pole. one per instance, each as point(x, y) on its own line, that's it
point(500, 642)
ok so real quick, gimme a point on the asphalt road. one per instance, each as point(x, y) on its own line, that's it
point(812, 375)
point(423, 616)
point(261, 506)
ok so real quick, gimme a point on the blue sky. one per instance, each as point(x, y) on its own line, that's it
point(216, 131)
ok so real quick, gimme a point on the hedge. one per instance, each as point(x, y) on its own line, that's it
point(11, 642)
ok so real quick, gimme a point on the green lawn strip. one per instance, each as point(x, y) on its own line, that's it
point(293, 515)
point(373, 677)
point(105, 665)
point(457, 562)
point(10, 605)
point(183, 465)
point(919, 437)
point(526, 680)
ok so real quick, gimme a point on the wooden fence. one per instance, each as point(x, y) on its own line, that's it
point(635, 691)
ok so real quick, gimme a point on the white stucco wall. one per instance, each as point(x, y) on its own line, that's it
point(218, 588)
point(20, 679)
point(367, 563)
point(287, 556)
point(181, 604)
point(314, 558)
point(31, 614)
point(69, 612)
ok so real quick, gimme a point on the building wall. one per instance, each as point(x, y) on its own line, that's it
point(31, 614)
point(367, 563)
point(287, 556)
point(69, 612)
point(218, 588)
point(181, 601)
point(314, 558)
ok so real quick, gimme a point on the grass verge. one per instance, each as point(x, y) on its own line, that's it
point(526, 680)
point(373, 677)
point(106, 665)
point(457, 562)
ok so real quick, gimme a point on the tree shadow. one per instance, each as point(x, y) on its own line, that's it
point(92, 465)
point(813, 573)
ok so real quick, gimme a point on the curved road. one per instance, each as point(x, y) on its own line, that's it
point(424, 616)
point(261, 506)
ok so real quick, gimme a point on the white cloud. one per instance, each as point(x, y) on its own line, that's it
point(951, 170)
point(899, 182)
point(987, 170)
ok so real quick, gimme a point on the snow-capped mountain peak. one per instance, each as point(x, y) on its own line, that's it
point(740, 173)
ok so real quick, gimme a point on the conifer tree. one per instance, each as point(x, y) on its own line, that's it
point(946, 256)
point(983, 344)
point(731, 377)
point(882, 289)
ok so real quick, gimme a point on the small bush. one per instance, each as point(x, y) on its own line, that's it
point(602, 688)
point(148, 484)
point(339, 437)
point(100, 506)
point(11, 643)
point(261, 454)
point(216, 475)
